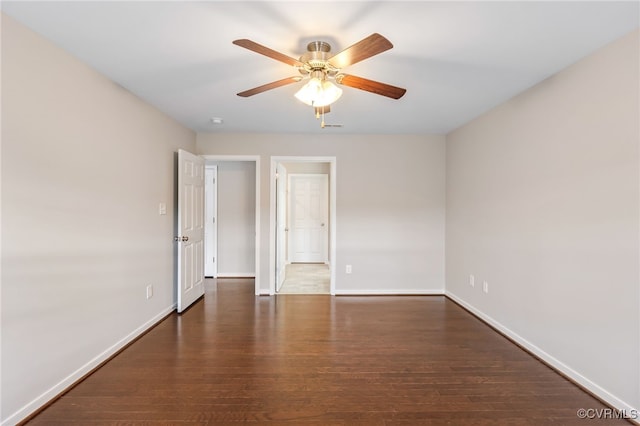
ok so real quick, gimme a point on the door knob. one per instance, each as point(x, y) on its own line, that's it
point(185, 238)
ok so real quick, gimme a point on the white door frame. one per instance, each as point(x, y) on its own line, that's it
point(256, 160)
point(211, 220)
point(281, 225)
point(272, 215)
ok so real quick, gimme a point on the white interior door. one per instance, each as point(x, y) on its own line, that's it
point(281, 225)
point(210, 221)
point(308, 217)
point(191, 229)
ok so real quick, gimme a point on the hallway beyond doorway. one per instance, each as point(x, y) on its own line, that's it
point(306, 278)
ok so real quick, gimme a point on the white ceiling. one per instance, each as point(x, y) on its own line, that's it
point(456, 59)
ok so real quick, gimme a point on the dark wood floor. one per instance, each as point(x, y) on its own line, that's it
point(234, 357)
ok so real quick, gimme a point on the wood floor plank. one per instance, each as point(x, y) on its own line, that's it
point(319, 360)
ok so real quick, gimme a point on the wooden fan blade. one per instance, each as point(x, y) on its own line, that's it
point(269, 86)
point(371, 86)
point(360, 51)
point(263, 50)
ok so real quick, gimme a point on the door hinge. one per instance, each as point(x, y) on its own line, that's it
point(214, 220)
point(214, 259)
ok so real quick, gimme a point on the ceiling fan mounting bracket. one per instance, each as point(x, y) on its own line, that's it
point(319, 46)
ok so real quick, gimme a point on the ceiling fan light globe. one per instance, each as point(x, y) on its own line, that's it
point(318, 93)
point(310, 92)
point(330, 93)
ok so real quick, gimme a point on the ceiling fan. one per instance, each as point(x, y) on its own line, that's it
point(320, 66)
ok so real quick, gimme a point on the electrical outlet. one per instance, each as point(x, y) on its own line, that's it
point(348, 269)
point(485, 287)
point(149, 291)
point(472, 281)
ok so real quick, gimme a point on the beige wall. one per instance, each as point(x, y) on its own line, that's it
point(389, 204)
point(543, 204)
point(308, 168)
point(84, 166)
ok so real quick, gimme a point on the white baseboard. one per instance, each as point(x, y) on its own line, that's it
point(378, 292)
point(592, 387)
point(236, 275)
point(68, 381)
point(390, 292)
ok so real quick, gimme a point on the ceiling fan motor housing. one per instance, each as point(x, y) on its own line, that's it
point(317, 59)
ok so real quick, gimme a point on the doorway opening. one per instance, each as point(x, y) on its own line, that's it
point(233, 244)
point(302, 248)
